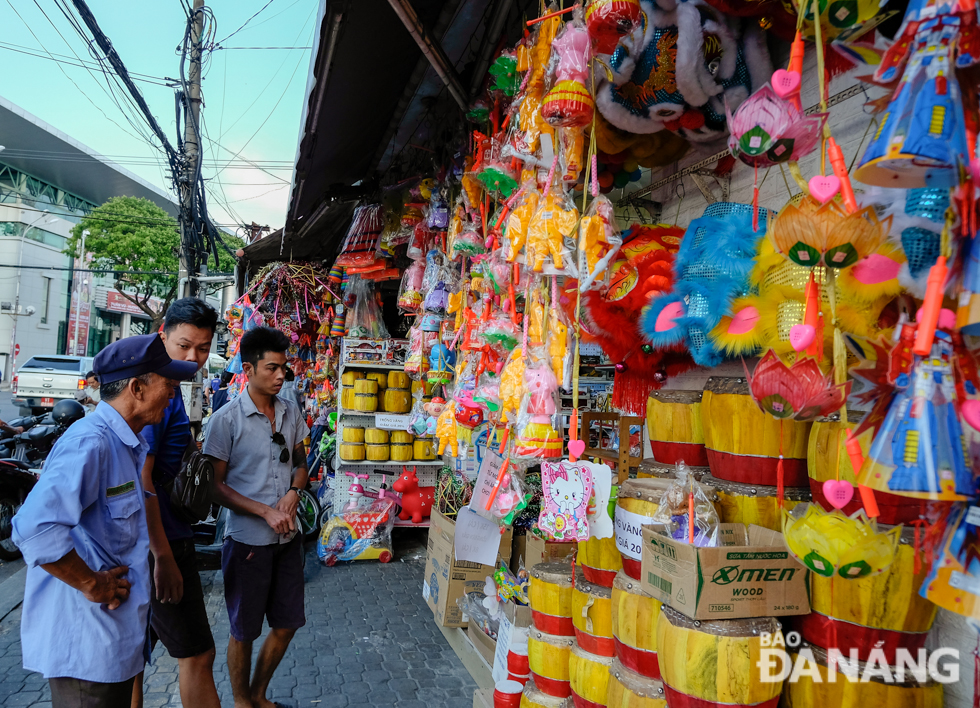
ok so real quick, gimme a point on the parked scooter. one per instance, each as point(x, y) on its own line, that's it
point(24, 454)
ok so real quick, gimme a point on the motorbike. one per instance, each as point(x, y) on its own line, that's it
point(21, 456)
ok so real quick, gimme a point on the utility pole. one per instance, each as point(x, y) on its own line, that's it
point(192, 159)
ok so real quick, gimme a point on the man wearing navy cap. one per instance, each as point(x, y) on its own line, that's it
point(82, 531)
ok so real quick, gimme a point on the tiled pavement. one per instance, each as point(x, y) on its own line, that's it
point(369, 640)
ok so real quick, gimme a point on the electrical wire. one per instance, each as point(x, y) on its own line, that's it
point(69, 61)
point(246, 22)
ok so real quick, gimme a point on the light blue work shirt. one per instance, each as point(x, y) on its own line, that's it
point(89, 498)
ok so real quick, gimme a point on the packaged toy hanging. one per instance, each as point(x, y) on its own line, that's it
point(360, 533)
point(360, 246)
point(537, 436)
point(554, 221)
point(599, 240)
point(410, 294)
point(688, 501)
point(364, 316)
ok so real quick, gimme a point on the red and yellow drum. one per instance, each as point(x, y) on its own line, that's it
point(841, 691)
point(550, 598)
point(743, 443)
point(827, 459)
point(548, 657)
point(714, 664)
point(674, 426)
point(588, 677)
point(592, 616)
point(628, 689)
point(600, 560)
point(753, 504)
point(533, 697)
point(651, 469)
point(634, 625)
point(635, 504)
point(881, 611)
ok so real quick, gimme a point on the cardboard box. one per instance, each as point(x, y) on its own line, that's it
point(518, 553)
point(484, 644)
point(541, 551)
point(760, 579)
point(446, 579)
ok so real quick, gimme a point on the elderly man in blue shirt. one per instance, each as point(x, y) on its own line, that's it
point(83, 533)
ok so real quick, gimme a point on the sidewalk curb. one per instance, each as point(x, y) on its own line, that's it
point(12, 592)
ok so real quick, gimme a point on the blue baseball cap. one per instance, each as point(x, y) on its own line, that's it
point(144, 354)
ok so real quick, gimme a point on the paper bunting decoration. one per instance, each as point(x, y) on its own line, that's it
point(830, 543)
point(800, 391)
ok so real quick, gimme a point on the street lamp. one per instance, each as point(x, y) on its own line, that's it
point(16, 313)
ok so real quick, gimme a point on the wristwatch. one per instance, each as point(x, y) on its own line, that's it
point(294, 489)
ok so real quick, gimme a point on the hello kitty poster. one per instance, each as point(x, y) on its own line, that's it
point(566, 488)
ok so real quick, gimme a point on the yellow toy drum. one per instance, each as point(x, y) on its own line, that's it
point(827, 458)
point(379, 376)
point(674, 426)
point(743, 443)
point(347, 380)
point(627, 689)
point(402, 447)
point(634, 626)
point(550, 598)
point(592, 616)
point(533, 697)
point(753, 504)
point(600, 560)
point(424, 449)
point(880, 611)
point(548, 656)
point(708, 664)
point(842, 691)
point(365, 395)
point(635, 504)
point(588, 678)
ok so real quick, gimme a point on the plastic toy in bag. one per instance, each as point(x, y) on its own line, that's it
point(684, 496)
point(553, 222)
point(599, 240)
point(569, 104)
point(508, 496)
point(364, 317)
point(509, 586)
point(538, 437)
point(468, 242)
point(474, 606)
point(410, 294)
point(363, 533)
point(519, 220)
point(360, 246)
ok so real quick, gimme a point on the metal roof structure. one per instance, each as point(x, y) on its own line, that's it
point(42, 151)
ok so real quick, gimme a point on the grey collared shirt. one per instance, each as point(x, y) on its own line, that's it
point(241, 435)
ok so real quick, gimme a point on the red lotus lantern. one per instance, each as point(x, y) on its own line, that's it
point(800, 392)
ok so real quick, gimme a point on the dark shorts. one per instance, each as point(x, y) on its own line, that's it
point(183, 628)
point(263, 581)
point(77, 693)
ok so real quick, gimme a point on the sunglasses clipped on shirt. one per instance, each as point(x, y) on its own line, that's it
point(280, 440)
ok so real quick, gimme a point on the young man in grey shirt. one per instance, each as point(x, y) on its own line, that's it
point(256, 444)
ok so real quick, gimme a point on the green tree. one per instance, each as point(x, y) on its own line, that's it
point(134, 234)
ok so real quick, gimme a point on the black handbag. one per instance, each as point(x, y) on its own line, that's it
point(192, 490)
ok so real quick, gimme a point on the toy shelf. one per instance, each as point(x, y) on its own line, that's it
point(380, 367)
point(392, 463)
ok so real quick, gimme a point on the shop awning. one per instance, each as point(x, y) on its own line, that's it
point(371, 91)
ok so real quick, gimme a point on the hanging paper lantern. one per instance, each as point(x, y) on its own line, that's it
point(610, 20)
point(830, 543)
point(812, 234)
point(767, 129)
point(800, 391)
point(919, 448)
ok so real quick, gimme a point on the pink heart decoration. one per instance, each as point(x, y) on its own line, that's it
point(744, 320)
point(876, 268)
point(665, 320)
point(838, 493)
point(576, 448)
point(801, 336)
point(970, 410)
point(785, 83)
point(823, 188)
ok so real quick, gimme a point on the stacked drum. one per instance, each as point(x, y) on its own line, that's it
point(675, 428)
point(552, 632)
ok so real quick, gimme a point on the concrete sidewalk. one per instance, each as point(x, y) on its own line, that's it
point(369, 640)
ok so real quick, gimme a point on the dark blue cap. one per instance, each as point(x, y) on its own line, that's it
point(144, 354)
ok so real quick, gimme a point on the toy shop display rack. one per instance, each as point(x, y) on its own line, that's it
point(382, 356)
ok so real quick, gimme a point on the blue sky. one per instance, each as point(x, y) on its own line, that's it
point(253, 98)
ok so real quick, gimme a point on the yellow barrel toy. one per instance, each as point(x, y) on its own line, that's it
point(397, 398)
point(753, 504)
point(533, 697)
point(634, 625)
point(588, 678)
point(628, 689)
point(548, 656)
point(423, 449)
point(843, 691)
point(347, 380)
point(879, 611)
point(674, 426)
point(636, 503)
point(592, 616)
point(365, 395)
point(600, 560)
point(401, 446)
point(743, 443)
point(715, 661)
point(550, 598)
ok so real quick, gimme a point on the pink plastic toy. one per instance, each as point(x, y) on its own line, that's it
point(355, 490)
point(416, 501)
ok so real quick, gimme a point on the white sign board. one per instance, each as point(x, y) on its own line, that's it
point(476, 539)
point(392, 421)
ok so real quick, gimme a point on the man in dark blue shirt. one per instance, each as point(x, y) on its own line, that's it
point(177, 612)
